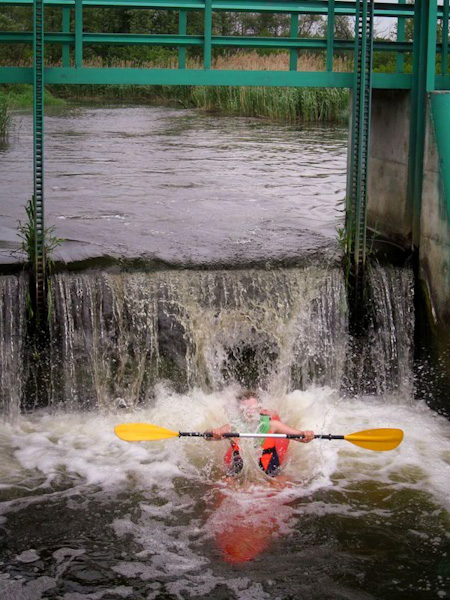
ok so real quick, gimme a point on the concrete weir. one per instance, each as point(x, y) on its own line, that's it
point(391, 217)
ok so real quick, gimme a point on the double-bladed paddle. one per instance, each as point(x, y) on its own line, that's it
point(371, 439)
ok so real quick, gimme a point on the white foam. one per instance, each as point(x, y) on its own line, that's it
point(81, 448)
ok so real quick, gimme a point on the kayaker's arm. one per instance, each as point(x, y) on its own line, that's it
point(279, 427)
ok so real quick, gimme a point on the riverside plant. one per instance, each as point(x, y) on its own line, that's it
point(27, 232)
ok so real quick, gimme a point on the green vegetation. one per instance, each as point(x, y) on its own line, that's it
point(27, 232)
point(281, 104)
point(4, 118)
point(21, 96)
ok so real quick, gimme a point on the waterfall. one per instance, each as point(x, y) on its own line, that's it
point(114, 335)
point(13, 293)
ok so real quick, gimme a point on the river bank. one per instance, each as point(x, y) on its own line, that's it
point(290, 105)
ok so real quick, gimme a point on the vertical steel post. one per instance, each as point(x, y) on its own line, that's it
point(66, 29)
point(78, 33)
point(293, 54)
point(330, 36)
point(362, 99)
point(444, 63)
point(207, 35)
point(401, 30)
point(431, 46)
point(182, 29)
point(38, 154)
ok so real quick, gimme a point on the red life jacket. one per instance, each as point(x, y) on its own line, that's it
point(273, 454)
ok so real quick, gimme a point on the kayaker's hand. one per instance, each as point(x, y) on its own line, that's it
point(309, 436)
point(216, 434)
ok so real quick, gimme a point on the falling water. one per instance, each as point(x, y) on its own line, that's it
point(115, 335)
point(13, 293)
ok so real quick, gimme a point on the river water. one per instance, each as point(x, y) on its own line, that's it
point(86, 515)
point(178, 186)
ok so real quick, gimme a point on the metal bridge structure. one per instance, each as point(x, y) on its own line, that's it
point(425, 70)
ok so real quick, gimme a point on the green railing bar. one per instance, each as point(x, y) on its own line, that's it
point(293, 56)
point(401, 29)
point(330, 36)
point(78, 33)
point(444, 63)
point(182, 29)
point(66, 29)
point(208, 35)
point(305, 7)
point(191, 40)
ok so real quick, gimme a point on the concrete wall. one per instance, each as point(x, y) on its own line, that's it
point(387, 212)
point(391, 218)
point(433, 274)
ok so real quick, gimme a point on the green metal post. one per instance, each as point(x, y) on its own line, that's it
point(362, 97)
point(182, 30)
point(38, 154)
point(424, 16)
point(66, 29)
point(330, 36)
point(293, 55)
point(401, 30)
point(208, 35)
point(78, 33)
point(444, 63)
point(431, 46)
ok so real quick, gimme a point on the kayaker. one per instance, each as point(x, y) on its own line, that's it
point(264, 421)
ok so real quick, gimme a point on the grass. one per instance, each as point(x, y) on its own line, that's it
point(21, 96)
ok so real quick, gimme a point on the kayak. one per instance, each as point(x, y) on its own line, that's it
point(247, 519)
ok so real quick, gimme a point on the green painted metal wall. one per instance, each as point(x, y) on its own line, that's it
point(440, 108)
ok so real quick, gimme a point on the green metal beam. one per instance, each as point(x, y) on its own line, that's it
point(66, 29)
point(401, 29)
point(431, 46)
point(444, 50)
point(78, 33)
point(113, 76)
point(207, 35)
point(182, 29)
point(330, 35)
point(293, 57)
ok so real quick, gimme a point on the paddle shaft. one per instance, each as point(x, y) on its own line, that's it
point(287, 436)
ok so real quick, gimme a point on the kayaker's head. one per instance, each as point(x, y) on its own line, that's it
point(249, 404)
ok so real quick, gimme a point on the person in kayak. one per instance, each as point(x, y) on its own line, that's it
point(264, 421)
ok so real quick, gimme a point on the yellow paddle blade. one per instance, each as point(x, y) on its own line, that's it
point(143, 432)
point(376, 439)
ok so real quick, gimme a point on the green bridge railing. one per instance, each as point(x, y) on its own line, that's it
point(427, 71)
